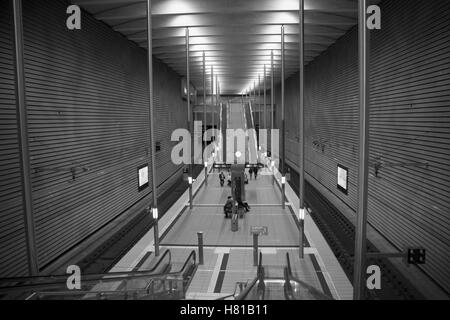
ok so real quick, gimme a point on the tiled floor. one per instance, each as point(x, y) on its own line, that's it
point(228, 255)
point(282, 230)
point(257, 192)
point(207, 217)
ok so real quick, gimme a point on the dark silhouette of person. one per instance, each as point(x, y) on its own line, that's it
point(222, 178)
point(228, 208)
point(244, 204)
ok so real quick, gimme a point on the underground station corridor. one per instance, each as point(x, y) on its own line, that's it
point(225, 150)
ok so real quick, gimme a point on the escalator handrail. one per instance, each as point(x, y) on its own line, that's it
point(86, 292)
point(288, 264)
point(192, 254)
point(247, 289)
point(88, 277)
point(101, 278)
point(252, 122)
point(258, 279)
point(289, 276)
point(171, 275)
point(235, 290)
point(288, 291)
point(167, 252)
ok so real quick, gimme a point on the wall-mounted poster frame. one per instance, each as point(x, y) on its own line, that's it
point(342, 178)
point(143, 178)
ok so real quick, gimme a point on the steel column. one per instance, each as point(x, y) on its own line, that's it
point(283, 185)
point(259, 108)
point(272, 94)
point(205, 159)
point(200, 248)
point(22, 122)
point(188, 84)
point(364, 101)
point(265, 105)
point(212, 103)
point(217, 109)
point(217, 103)
point(255, 249)
point(301, 127)
point(152, 134)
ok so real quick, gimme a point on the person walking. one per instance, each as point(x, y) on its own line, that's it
point(222, 178)
point(228, 207)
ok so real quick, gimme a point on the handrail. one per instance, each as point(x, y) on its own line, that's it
point(237, 284)
point(167, 252)
point(194, 254)
point(92, 278)
point(178, 275)
point(258, 279)
point(247, 290)
point(252, 122)
point(288, 264)
point(260, 267)
point(288, 290)
point(261, 285)
point(97, 294)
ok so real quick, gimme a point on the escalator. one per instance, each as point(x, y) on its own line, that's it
point(255, 290)
point(253, 134)
point(160, 282)
point(287, 287)
point(223, 129)
point(295, 289)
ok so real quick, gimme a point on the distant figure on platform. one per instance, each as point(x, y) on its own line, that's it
point(229, 178)
point(245, 178)
point(255, 171)
point(222, 178)
point(228, 208)
point(250, 171)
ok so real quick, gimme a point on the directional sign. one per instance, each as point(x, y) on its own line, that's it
point(262, 230)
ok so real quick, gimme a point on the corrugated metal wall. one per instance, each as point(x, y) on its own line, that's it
point(87, 104)
point(409, 123)
point(13, 251)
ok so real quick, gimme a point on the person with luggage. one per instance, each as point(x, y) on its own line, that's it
point(222, 178)
point(244, 204)
point(228, 207)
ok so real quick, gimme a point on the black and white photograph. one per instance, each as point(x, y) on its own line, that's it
point(225, 158)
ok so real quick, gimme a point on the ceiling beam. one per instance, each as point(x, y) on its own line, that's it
point(264, 47)
point(176, 7)
point(180, 41)
point(237, 36)
point(290, 54)
point(217, 19)
point(263, 30)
